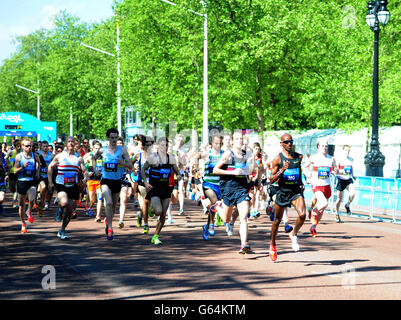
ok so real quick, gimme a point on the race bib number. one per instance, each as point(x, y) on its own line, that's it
point(347, 170)
point(70, 178)
point(291, 175)
point(164, 173)
point(323, 172)
point(110, 166)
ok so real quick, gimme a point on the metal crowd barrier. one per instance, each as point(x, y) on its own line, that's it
point(377, 199)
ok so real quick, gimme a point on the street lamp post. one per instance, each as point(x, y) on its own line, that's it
point(374, 159)
point(118, 74)
point(38, 98)
point(205, 128)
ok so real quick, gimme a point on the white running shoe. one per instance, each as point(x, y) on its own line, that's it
point(62, 234)
point(294, 242)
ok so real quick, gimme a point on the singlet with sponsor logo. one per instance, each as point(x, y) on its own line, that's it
point(345, 168)
point(232, 182)
point(111, 169)
point(27, 173)
point(321, 169)
point(210, 163)
point(11, 159)
point(159, 176)
point(291, 178)
point(67, 170)
point(43, 169)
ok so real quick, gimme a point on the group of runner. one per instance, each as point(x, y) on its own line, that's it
point(228, 178)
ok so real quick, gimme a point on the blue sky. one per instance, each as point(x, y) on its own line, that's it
point(21, 17)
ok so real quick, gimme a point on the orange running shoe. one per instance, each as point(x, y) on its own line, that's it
point(30, 218)
point(313, 231)
point(273, 253)
point(23, 229)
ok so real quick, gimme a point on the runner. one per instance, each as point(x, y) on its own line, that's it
point(161, 165)
point(94, 163)
point(211, 184)
point(180, 152)
point(66, 182)
point(322, 165)
point(126, 188)
point(3, 177)
point(234, 168)
point(255, 193)
point(13, 177)
point(27, 168)
point(144, 145)
point(286, 168)
point(45, 157)
point(345, 180)
point(115, 159)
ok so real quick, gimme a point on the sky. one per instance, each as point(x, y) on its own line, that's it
point(21, 17)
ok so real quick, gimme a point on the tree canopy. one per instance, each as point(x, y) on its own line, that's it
point(273, 65)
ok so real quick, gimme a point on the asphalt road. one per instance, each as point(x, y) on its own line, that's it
point(353, 260)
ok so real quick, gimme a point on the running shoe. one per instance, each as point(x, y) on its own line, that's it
point(313, 231)
point(181, 212)
point(97, 219)
point(205, 233)
point(121, 225)
point(273, 253)
point(193, 196)
point(287, 228)
point(270, 212)
point(1, 209)
point(213, 208)
point(211, 229)
point(170, 221)
point(348, 209)
point(155, 240)
point(294, 242)
point(136, 204)
point(150, 211)
point(62, 234)
point(229, 229)
point(309, 212)
point(74, 215)
point(90, 212)
point(138, 220)
point(29, 215)
point(59, 214)
point(145, 229)
point(338, 220)
point(218, 220)
point(40, 210)
point(15, 204)
point(23, 228)
point(35, 206)
point(46, 206)
point(245, 249)
point(110, 234)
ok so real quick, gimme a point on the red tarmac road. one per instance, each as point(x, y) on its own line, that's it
point(356, 259)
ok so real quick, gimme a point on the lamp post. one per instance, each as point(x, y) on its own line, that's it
point(118, 73)
point(38, 98)
point(374, 159)
point(205, 127)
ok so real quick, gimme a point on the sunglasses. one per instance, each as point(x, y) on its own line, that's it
point(27, 146)
point(288, 141)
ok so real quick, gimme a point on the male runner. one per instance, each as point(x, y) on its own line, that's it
point(13, 177)
point(161, 165)
point(345, 180)
point(322, 166)
point(26, 167)
point(115, 160)
point(234, 168)
point(66, 182)
point(286, 168)
point(45, 157)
